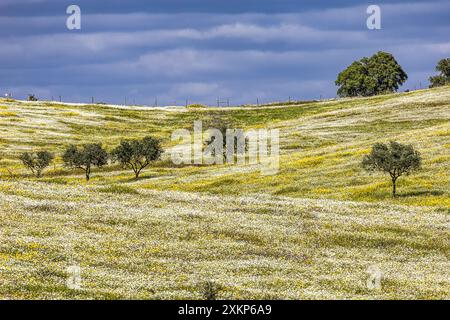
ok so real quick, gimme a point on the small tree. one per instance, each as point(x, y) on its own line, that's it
point(88, 156)
point(36, 162)
point(137, 154)
point(443, 78)
point(223, 125)
point(395, 159)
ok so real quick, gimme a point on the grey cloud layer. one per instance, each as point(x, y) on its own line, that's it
point(200, 56)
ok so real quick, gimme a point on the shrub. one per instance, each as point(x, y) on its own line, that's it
point(32, 97)
point(137, 154)
point(88, 156)
point(36, 162)
point(395, 159)
point(210, 290)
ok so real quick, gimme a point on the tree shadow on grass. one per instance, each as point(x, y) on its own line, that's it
point(421, 193)
point(142, 177)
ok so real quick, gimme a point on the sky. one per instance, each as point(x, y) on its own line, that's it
point(136, 52)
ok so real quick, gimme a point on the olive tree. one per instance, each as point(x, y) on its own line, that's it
point(86, 157)
point(233, 141)
point(36, 162)
point(137, 154)
point(222, 127)
point(395, 159)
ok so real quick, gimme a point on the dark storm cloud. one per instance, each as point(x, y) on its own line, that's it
point(199, 50)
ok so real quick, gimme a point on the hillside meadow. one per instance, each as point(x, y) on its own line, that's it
point(309, 232)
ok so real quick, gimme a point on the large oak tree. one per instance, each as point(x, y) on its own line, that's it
point(378, 74)
point(443, 78)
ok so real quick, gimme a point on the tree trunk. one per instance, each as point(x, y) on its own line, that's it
point(138, 172)
point(88, 174)
point(394, 187)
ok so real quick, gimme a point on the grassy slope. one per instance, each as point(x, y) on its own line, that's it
point(137, 239)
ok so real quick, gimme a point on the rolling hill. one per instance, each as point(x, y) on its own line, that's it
point(311, 231)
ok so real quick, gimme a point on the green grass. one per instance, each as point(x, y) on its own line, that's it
point(311, 231)
point(118, 189)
